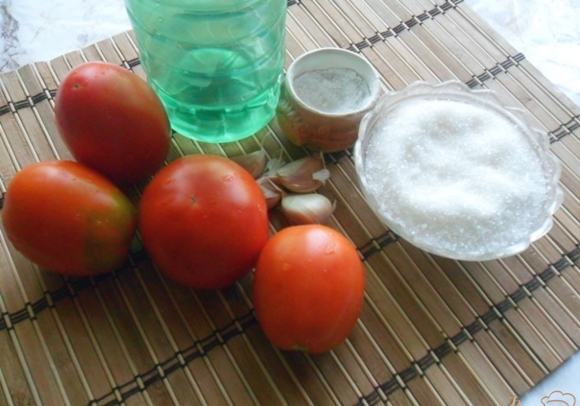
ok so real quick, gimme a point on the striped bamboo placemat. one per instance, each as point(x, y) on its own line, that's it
point(433, 331)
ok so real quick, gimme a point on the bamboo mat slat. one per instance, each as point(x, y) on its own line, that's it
point(433, 331)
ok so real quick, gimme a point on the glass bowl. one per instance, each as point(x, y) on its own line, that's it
point(456, 173)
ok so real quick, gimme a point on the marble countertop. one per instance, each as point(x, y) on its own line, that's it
point(548, 33)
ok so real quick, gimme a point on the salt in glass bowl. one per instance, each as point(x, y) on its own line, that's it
point(398, 219)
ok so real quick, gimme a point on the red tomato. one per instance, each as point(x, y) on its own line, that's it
point(112, 121)
point(308, 288)
point(204, 221)
point(68, 218)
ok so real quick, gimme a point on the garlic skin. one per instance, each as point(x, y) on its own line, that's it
point(310, 208)
point(304, 175)
point(254, 162)
point(272, 193)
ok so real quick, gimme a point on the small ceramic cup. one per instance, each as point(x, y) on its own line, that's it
point(324, 95)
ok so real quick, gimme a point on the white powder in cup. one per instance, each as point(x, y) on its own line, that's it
point(332, 90)
point(456, 176)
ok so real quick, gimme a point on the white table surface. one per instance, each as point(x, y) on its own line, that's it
point(547, 32)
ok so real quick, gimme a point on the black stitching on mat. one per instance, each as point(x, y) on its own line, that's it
point(133, 62)
point(220, 337)
point(424, 16)
point(500, 67)
point(235, 328)
point(19, 316)
point(40, 305)
point(358, 46)
point(496, 70)
point(375, 38)
point(60, 294)
point(532, 284)
point(38, 98)
point(336, 156)
point(574, 256)
point(455, 2)
point(409, 374)
point(72, 288)
point(413, 21)
point(377, 244)
point(50, 298)
point(565, 129)
point(519, 294)
point(426, 362)
point(238, 326)
point(390, 386)
point(506, 304)
point(492, 314)
point(459, 338)
point(434, 12)
point(560, 265)
point(179, 360)
point(442, 350)
point(474, 328)
point(13, 107)
point(489, 317)
point(22, 104)
point(5, 322)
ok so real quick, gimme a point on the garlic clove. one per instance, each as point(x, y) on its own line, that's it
point(273, 165)
point(310, 208)
point(272, 193)
point(254, 162)
point(304, 175)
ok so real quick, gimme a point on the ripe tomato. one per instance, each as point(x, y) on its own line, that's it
point(308, 288)
point(68, 218)
point(204, 221)
point(112, 121)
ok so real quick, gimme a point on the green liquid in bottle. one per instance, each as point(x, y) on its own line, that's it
point(217, 66)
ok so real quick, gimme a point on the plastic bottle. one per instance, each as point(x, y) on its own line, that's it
point(216, 64)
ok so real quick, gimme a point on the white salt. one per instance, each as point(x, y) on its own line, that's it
point(333, 90)
point(456, 176)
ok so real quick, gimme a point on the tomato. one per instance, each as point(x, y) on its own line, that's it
point(203, 220)
point(308, 288)
point(112, 121)
point(68, 218)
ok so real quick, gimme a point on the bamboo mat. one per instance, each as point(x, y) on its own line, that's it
point(433, 331)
